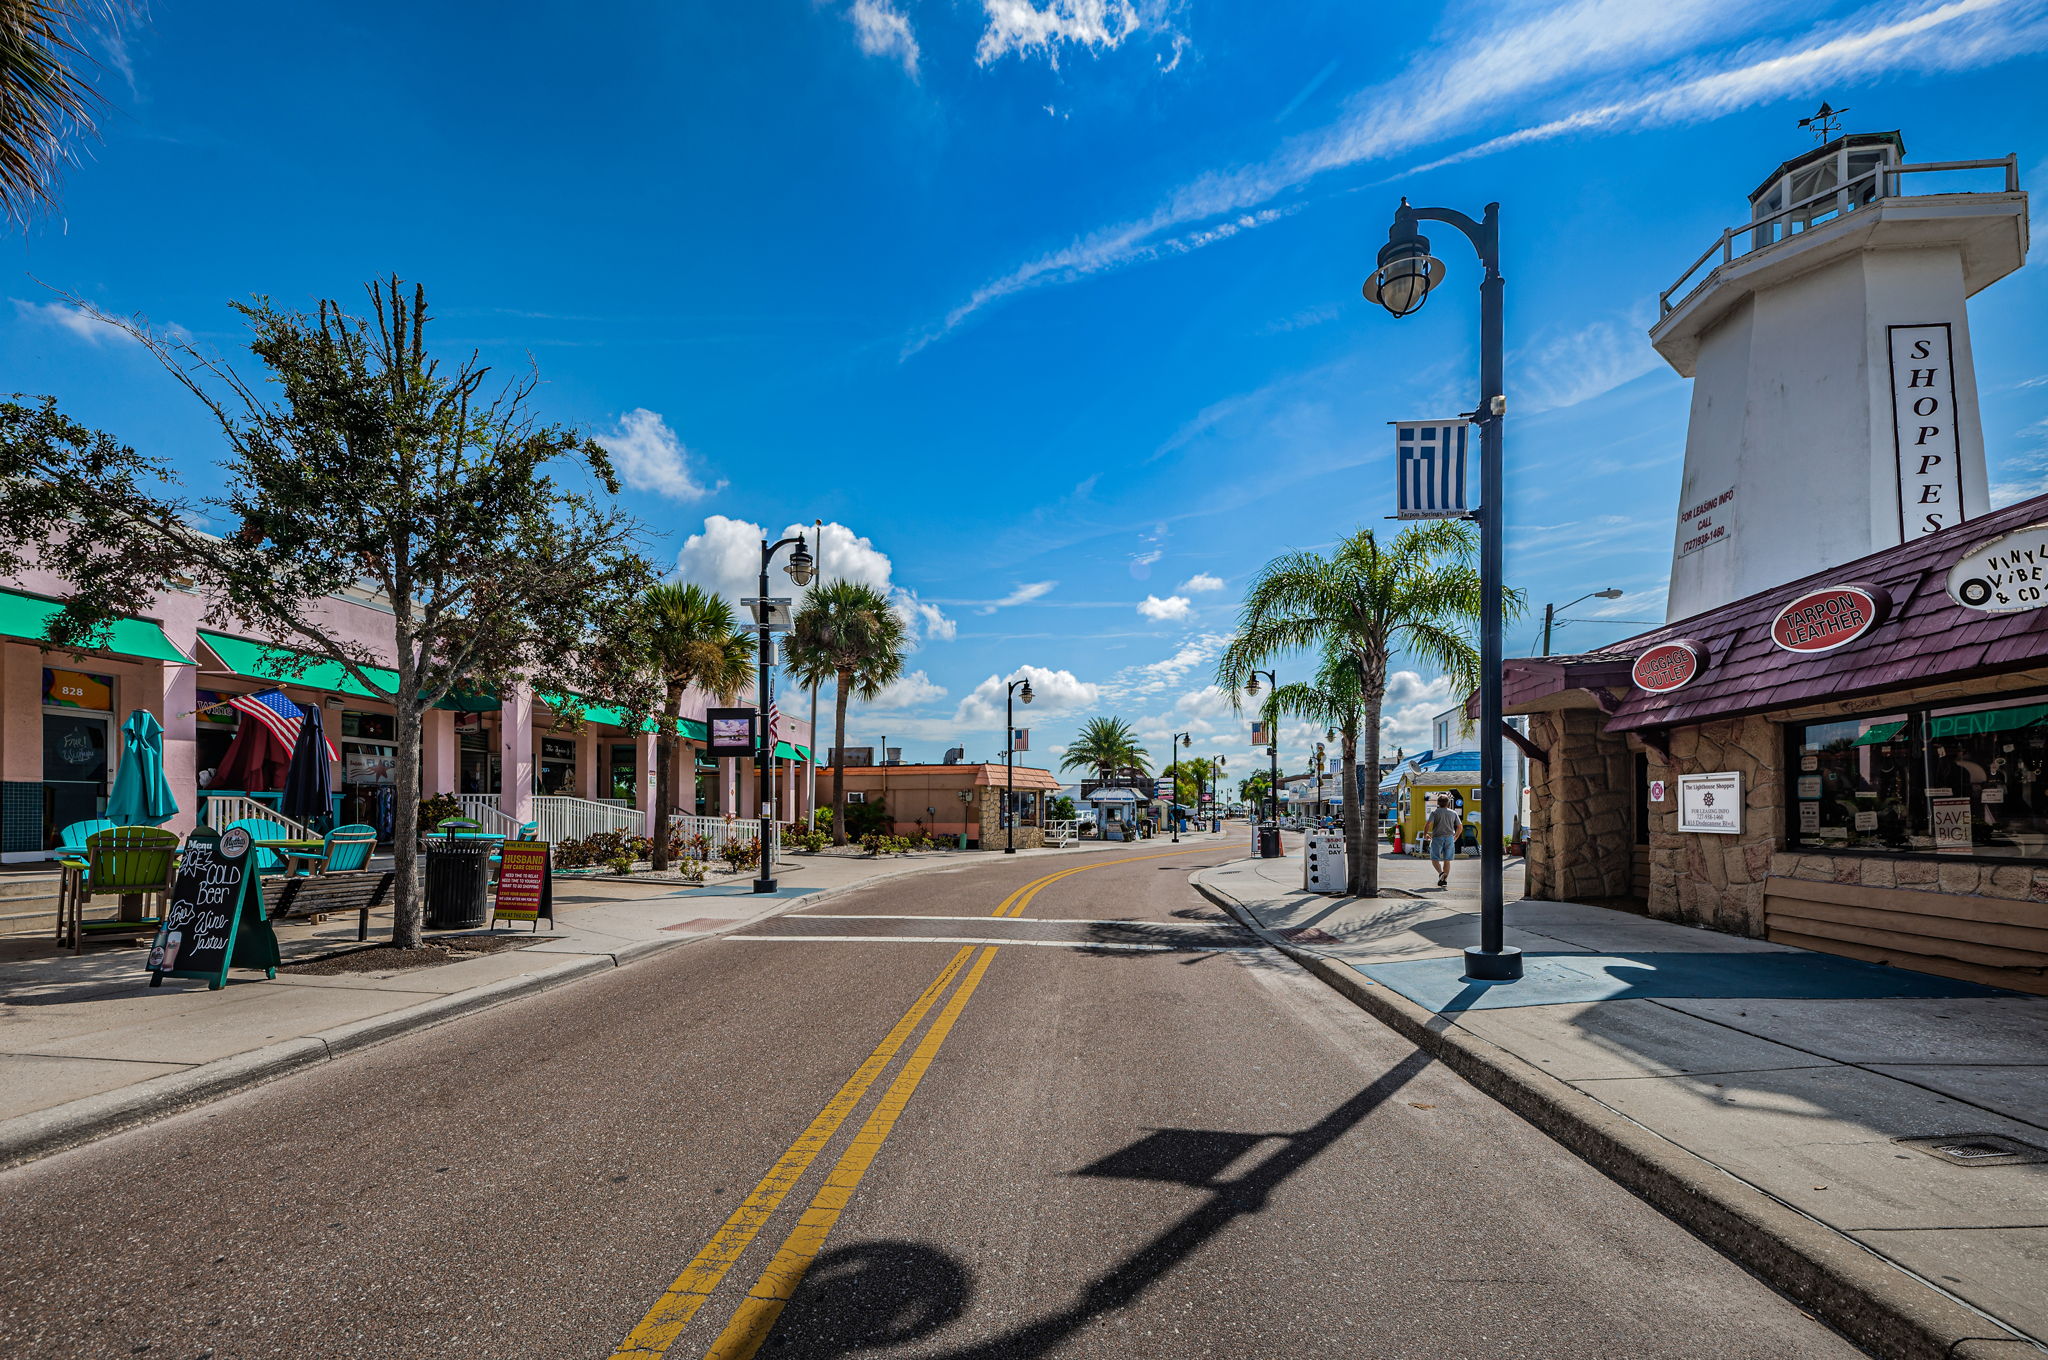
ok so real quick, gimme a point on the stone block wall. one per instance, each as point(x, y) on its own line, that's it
point(2013, 882)
point(1582, 809)
point(993, 834)
point(1714, 880)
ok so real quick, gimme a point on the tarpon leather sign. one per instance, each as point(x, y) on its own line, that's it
point(2004, 575)
point(1668, 666)
point(1833, 616)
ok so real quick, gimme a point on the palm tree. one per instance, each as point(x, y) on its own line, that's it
point(691, 641)
point(849, 633)
point(1358, 607)
point(43, 100)
point(1335, 702)
point(1107, 746)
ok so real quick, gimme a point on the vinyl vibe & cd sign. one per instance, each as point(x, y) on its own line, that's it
point(1668, 666)
point(2005, 575)
point(1833, 616)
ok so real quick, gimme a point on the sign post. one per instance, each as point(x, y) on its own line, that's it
point(216, 919)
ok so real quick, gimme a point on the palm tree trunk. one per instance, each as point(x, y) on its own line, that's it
point(1355, 843)
point(664, 777)
point(839, 756)
point(1365, 863)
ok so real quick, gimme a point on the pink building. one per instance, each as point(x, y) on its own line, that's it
point(511, 759)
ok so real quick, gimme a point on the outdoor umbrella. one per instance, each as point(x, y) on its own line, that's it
point(141, 795)
point(309, 782)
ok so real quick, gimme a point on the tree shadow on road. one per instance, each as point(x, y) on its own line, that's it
point(885, 1295)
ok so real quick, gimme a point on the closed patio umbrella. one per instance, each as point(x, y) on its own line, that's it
point(309, 782)
point(141, 796)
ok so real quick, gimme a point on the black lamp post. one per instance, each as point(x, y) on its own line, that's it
point(1251, 687)
point(1216, 766)
point(1010, 759)
point(1402, 282)
point(799, 569)
point(1178, 740)
point(1550, 611)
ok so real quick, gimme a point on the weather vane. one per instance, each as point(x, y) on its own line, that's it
point(1825, 122)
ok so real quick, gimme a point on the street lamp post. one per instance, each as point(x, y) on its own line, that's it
point(1251, 687)
point(1216, 766)
point(1401, 282)
point(1176, 741)
point(1010, 760)
point(799, 569)
point(1550, 611)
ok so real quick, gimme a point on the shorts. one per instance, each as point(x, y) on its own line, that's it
point(1443, 847)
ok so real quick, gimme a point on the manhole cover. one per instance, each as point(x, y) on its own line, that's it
point(1977, 1149)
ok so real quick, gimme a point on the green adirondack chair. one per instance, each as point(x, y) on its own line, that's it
point(132, 863)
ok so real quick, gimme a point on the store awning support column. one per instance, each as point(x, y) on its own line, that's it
point(643, 796)
point(438, 748)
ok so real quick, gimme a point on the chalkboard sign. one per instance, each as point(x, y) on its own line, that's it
point(215, 920)
point(526, 888)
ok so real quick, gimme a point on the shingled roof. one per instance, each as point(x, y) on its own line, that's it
point(1926, 638)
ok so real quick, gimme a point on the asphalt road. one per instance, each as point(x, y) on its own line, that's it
point(1123, 1131)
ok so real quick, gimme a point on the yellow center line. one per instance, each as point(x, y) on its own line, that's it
point(758, 1312)
point(1016, 902)
point(674, 1309)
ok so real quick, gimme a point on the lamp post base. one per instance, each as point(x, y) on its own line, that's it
point(762, 885)
point(1009, 849)
point(1504, 965)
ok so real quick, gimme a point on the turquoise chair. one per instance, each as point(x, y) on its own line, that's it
point(71, 840)
point(268, 861)
point(344, 850)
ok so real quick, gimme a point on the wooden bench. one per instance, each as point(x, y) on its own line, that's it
point(305, 898)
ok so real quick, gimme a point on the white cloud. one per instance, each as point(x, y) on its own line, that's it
point(726, 557)
point(1207, 702)
point(1156, 677)
point(1025, 593)
point(1509, 57)
point(1025, 28)
point(1557, 370)
point(882, 30)
point(78, 324)
point(1052, 692)
point(1201, 581)
point(1411, 702)
point(650, 457)
point(906, 691)
point(1170, 608)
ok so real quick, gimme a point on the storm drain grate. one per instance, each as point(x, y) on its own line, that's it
point(1977, 1149)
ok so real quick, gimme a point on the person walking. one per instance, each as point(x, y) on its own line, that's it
point(1443, 829)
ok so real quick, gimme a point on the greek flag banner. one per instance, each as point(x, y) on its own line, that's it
point(1429, 467)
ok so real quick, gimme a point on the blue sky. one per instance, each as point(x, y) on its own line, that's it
point(1054, 303)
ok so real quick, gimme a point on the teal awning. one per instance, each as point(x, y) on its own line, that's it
point(28, 617)
point(690, 728)
point(785, 751)
point(279, 665)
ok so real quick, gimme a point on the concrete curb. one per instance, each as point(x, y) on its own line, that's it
point(1895, 1314)
point(28, 1137)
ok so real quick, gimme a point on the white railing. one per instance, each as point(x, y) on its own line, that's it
point(562, 818)
point(717, 831)
point(1830, 204)
point(223, 808)
point(482, 808)
point(1059, 835)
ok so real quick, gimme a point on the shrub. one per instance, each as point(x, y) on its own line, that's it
point(603, 847)
point(740, 854)
point(867, 819)
point(437, 809)
point(621, 863)
point(821, 819)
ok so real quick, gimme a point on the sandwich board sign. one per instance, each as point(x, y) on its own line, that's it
point(216, 919)
point(526, 886)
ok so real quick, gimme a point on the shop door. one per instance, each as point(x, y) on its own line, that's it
point(75, 768)
point(625, 775)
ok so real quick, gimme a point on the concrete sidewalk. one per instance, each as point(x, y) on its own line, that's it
point(87, 1046)
point(1874, 1141)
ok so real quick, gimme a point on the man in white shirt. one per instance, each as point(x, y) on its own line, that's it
point(1443, 828)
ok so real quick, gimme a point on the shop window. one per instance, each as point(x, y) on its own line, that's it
point(1961, 780)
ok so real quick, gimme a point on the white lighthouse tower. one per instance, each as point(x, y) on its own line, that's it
point(1834, 402)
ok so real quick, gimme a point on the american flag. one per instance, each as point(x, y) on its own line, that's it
point(277, 713)
point(774, 719)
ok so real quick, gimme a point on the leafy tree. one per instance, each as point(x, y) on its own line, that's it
point(44, 100)
point(1108, 747)
point(1334, 701)
point(1254, 790)
point(692, 641)
point(373, 467)
point(1061, 808)
point(1191, 779)
point(849, 632)
point(1358, 607)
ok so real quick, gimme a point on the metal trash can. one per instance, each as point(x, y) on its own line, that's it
point(1269, 841)
point(458, 883)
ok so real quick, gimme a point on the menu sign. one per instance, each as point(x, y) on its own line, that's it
point(216, 896)
point(1668, 666)
point(2004, 575)
point(1822, 620)
point(526, 890)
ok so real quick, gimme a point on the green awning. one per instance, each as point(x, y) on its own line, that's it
point(693, 729)
point(1880, 733)
point(258, 661)
point(27, 616)
point(785, 751)
point(617, 717)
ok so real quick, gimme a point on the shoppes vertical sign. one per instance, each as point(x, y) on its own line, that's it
point(1924, 424)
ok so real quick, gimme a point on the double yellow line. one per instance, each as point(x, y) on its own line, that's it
point(757, 1314)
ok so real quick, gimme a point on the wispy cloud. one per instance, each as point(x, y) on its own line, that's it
point(1029, 29)
point(1508, 57)
point(882, 30)
point(1564, 368)
point(1025, 593)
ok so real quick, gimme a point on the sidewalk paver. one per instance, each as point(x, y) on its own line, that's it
point(1801, 1075)
point(88, 1046)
